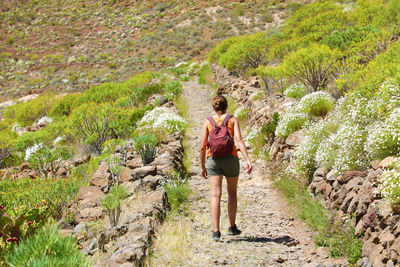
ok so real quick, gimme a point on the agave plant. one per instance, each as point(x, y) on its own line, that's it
point(146, 146)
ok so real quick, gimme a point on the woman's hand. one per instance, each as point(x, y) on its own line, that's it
point(249, 167)
point(204, 173)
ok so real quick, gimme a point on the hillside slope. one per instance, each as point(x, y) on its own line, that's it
point(70, 45)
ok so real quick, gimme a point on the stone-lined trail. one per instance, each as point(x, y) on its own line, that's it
point(270, 235)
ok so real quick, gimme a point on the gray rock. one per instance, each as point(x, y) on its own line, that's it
point(151, 182)
point(330, 176)
point(79, 227)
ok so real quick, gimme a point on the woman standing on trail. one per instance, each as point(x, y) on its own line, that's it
point(218, 134)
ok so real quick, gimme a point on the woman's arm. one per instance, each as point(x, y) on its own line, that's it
point(240, 142)
point(203, 143)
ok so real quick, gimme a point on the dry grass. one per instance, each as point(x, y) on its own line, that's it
point(172, 245)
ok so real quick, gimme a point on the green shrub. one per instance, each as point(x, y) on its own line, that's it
point(268, 129)
point(221, 48)
point(66, 105)
point(146, 147)
point(26, 193)
point(112, 203)
point(173, 88)
point(178, 193)
point(46, 161)
point(47, 248)
point(29, 139)
point(316, 20)
point(114, 163)
point(344, 39)
point(311, 65)
point(205, 73)
point(96, 123)
point(317, 104)
point(140, 95)
point(247, 52)
point(29, 112)
point(137, 114)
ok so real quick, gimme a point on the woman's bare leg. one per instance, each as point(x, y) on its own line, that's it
point(215, 185)
point(232, 199)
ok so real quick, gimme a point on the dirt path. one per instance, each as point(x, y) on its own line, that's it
point(270, 237)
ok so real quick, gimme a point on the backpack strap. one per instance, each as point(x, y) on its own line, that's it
point(213, 123)
point(227, 117)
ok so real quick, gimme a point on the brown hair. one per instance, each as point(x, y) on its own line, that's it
point(220, 104)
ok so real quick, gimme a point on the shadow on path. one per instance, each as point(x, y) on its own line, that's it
point(286, 240)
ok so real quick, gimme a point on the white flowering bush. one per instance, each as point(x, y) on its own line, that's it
point(305, 153)
point(193, 68)
point(296, 90)
point(349, 140)
point(389, 185)
point(387, 97)
point(292, 120)
point(252, 133)
point(44, 119)
point(317, 104)
point(384, 137)
point(257, 141)
point(241, 113)
point(161, 122)
point(357, 109)
point(31, 150)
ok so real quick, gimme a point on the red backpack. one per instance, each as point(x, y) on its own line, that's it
point(220, 142)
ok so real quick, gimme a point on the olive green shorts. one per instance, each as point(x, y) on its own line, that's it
point(228, 166)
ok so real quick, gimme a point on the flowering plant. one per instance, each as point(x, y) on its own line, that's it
point(161, 122)
point(296, 90)
point(292, 120)
point(389, 185)
point(317, 104)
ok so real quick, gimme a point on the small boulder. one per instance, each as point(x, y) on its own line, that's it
point(151, 182)
point(348, 175)
point(386, 238)
point(294, 138)
point(24, 166)
point(90, 192)
point(320, 174)
point(387, 162)
point(102, 177)
point(375, 164)
point(61, 172)
point(140, 173)
point(134, 163)
point(126, 175)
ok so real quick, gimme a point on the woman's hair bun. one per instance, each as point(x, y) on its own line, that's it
point(220, 104)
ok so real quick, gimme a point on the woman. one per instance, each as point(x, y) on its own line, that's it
point(217, 167)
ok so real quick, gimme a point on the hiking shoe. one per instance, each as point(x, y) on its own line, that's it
point(234, 231)
point(216, 236)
